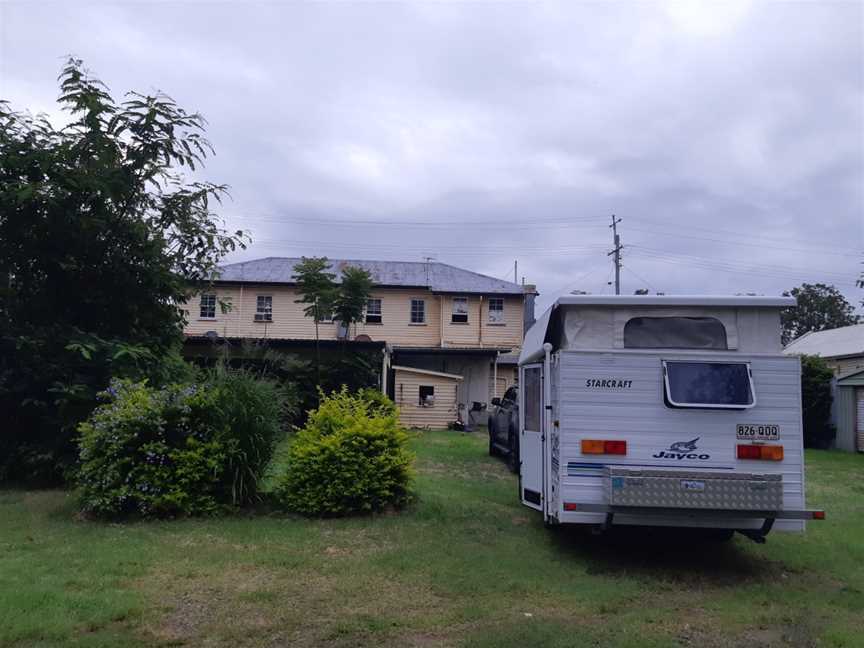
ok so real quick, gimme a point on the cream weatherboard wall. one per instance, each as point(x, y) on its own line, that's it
point(288, 321)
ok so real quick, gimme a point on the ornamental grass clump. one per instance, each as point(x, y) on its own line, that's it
point(350, 457)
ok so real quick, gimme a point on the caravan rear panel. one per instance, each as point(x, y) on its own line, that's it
point(623, 398)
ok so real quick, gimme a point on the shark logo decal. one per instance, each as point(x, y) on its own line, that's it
point(682, 450)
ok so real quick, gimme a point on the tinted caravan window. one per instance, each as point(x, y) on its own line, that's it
point(709, 384)
point(674, 333)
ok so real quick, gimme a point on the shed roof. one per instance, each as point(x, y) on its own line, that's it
point(426, 372)
point(833, 343)
point(438, 277)
point(854, 379)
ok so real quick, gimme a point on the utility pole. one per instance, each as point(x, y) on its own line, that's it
point(616, 240)
point(515, 269)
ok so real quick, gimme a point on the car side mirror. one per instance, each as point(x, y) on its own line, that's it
point(496, 402)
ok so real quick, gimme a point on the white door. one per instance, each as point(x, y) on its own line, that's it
point(531, 437)
point(859, 425)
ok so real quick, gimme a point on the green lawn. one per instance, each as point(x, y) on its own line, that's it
point(466, 566)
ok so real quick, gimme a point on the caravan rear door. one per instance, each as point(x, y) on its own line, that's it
point(531, 436)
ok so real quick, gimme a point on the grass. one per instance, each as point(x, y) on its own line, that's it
point(465, 566)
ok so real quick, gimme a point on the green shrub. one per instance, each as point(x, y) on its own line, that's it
point(816, 400)
point(190, 449)
point(350, 457)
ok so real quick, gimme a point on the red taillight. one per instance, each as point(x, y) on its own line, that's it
point(748, 452)
point(569, 506)
point(765, 452)
point(615, 447)
point(818, 515)
point(597, 446)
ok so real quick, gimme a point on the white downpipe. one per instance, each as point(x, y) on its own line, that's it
point(495, 375)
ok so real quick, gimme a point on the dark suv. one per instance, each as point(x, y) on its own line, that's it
point(504, 428)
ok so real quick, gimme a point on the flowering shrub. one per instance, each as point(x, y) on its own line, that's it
point(350, 457)
point(182, 450)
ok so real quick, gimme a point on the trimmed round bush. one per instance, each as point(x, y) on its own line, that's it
point(194, 449)
point(351, 457)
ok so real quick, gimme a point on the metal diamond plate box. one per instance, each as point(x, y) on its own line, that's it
point(694, 490)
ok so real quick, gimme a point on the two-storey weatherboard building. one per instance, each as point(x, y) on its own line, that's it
point(448, 337)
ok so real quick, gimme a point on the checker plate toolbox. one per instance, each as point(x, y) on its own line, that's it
point(693, 490)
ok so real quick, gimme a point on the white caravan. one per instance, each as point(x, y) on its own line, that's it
point(662, 411)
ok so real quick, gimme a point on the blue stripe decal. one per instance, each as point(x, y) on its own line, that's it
point(666, 465)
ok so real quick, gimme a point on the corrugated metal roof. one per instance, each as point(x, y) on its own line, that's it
point(439, 277)
point(833, 343)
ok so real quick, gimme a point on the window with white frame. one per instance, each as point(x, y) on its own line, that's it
point(373, 311)
point(460, 310)
point(208, 306)
point(496, 310)
point(264, 308)
point(418, 311)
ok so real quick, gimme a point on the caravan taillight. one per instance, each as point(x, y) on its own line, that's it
point(597, 446)
point(765, 452)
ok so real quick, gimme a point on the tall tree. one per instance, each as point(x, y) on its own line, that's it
point(820, 307)
point(354, 291)
point(100, 237)
point(318, 291)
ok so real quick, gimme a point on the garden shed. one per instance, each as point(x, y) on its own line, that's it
point(849, 411)
point(426, 399)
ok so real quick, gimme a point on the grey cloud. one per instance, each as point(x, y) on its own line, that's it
point(730, 139)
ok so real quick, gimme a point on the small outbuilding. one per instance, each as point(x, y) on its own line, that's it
point(426, 399)
point(848, 411)
point(843, 350)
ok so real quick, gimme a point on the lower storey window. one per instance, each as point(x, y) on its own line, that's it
point(427, 395)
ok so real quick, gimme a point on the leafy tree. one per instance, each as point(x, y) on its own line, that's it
point(318, 292)
point(820, 307)
point(101, 235)
point(352, 294)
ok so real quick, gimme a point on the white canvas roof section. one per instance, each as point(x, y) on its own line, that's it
point(833, 343)
point(597, 321)
point(675, 300)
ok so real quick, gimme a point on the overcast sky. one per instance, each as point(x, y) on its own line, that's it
point(728, 138)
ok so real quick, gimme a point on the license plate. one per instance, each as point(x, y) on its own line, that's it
point(757, 432)
point(692, 485)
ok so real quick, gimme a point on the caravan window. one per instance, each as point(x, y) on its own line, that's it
point(674, 333)
point(709, 384)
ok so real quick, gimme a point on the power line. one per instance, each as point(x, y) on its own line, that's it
point(753, 240)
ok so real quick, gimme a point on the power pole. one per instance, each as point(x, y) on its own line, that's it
point(616, 240)
point(515, 269)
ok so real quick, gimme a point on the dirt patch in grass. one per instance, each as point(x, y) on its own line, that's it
point(248, 605)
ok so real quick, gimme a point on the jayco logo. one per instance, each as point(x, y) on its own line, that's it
point(682, 450)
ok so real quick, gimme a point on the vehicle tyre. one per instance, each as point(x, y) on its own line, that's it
point(492, 449)
point(513, 454)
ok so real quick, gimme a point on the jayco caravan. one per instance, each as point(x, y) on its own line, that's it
point(662, 411)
